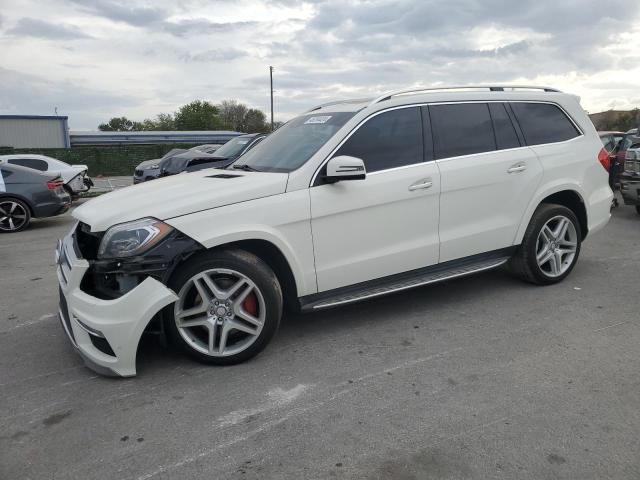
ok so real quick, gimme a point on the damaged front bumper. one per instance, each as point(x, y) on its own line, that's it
point(105, 332)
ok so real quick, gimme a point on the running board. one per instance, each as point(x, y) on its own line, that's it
point(405, 281)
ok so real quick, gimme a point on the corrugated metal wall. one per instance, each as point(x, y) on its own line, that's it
point(32, 132)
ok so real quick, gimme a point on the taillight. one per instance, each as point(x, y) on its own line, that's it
point(55, 183)
point(603, 158)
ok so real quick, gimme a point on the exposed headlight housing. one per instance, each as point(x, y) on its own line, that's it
point(132, 238)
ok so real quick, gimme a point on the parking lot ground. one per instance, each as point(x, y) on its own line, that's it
point(108, 184)
point(482, 377)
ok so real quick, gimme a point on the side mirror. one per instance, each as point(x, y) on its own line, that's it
point(344, 167)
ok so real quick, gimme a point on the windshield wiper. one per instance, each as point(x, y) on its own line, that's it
point(245, 167)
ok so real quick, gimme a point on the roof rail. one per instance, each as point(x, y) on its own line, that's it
point(339, 102)
point(491, 88)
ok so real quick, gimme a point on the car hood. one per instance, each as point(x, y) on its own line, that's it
point(178, 195)
point(148, 163)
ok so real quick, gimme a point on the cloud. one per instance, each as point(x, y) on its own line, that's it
point(31, 27)
point(200, 26)
point(156, 55)
point(35, 95)
point(125, 12)
point(216, 55)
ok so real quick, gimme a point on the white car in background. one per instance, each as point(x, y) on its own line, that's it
point(348, 201)
point(76, 178)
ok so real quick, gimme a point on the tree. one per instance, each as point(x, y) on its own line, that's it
point(164, 121)
point(617, 120)
point(117, 124)
point(255, 121)
point(232, 114)
point(197, 115)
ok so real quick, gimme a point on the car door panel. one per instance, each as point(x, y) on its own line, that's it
point(380, 226)
point(388, 222)
point(483, 199)
point(487, 178)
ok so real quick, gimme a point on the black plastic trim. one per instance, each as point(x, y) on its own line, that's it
point(106, 279)
point(308, 302)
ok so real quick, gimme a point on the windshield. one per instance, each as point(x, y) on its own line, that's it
point(629, 140)
point(233, 148)
point(295, 142)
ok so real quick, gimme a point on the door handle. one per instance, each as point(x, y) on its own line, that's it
point(518, 167)
point(421, 184)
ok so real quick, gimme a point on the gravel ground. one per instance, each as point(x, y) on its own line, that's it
point(483, 377)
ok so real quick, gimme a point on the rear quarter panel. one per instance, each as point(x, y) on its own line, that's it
point(573, 165)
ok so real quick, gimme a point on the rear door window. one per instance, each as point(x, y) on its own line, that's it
point(543, 123)
point(34, 163)
point(506, 136)
point(461, 129)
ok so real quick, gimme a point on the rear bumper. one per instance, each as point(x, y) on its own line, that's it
point(630, 190)
point(599, 209)
point(78, 184)
point(105, 333)
point(58, 205)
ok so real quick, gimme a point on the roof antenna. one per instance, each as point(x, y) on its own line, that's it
point(55, 109)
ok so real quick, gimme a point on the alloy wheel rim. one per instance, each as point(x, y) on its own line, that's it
point(220, 312)
point(12, 216)
point(556, 246)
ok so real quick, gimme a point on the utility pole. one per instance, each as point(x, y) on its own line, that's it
point(271, 81)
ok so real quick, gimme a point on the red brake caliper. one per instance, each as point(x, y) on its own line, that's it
point(250, 304)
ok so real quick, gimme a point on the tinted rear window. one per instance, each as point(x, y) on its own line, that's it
point(34, 163)
point(543, 123)
point(506, 136)
point(461, 129)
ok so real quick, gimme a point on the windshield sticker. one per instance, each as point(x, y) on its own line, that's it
point(322, 119)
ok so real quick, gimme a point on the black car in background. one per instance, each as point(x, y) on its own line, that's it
point(193, 160)
point(150, 169)
point(26, 193)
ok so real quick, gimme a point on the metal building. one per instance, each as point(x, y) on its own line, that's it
point(151, 137)
point(34, 131)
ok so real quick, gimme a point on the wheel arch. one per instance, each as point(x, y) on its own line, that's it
point(269, 253)
point(569, 196)
point(22, 199)
point(574, 202)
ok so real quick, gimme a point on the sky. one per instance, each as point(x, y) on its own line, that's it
point(93, 60)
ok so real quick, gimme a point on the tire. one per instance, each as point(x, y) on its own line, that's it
point(638, 209)
point(528, 263)
point(248, 297)
point(15, 215)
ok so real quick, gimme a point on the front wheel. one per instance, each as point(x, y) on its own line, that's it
point(550, 247)
point(229, 307)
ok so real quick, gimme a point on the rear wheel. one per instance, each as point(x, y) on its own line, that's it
point(229, 307)
point(550, 247)
point(14, 215)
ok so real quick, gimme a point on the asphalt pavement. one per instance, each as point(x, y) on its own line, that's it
point(478, 378)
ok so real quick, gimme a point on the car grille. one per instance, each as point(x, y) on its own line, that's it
point(138, 173)
point(632, 166)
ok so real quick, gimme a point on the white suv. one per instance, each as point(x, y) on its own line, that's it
point(351, 200)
